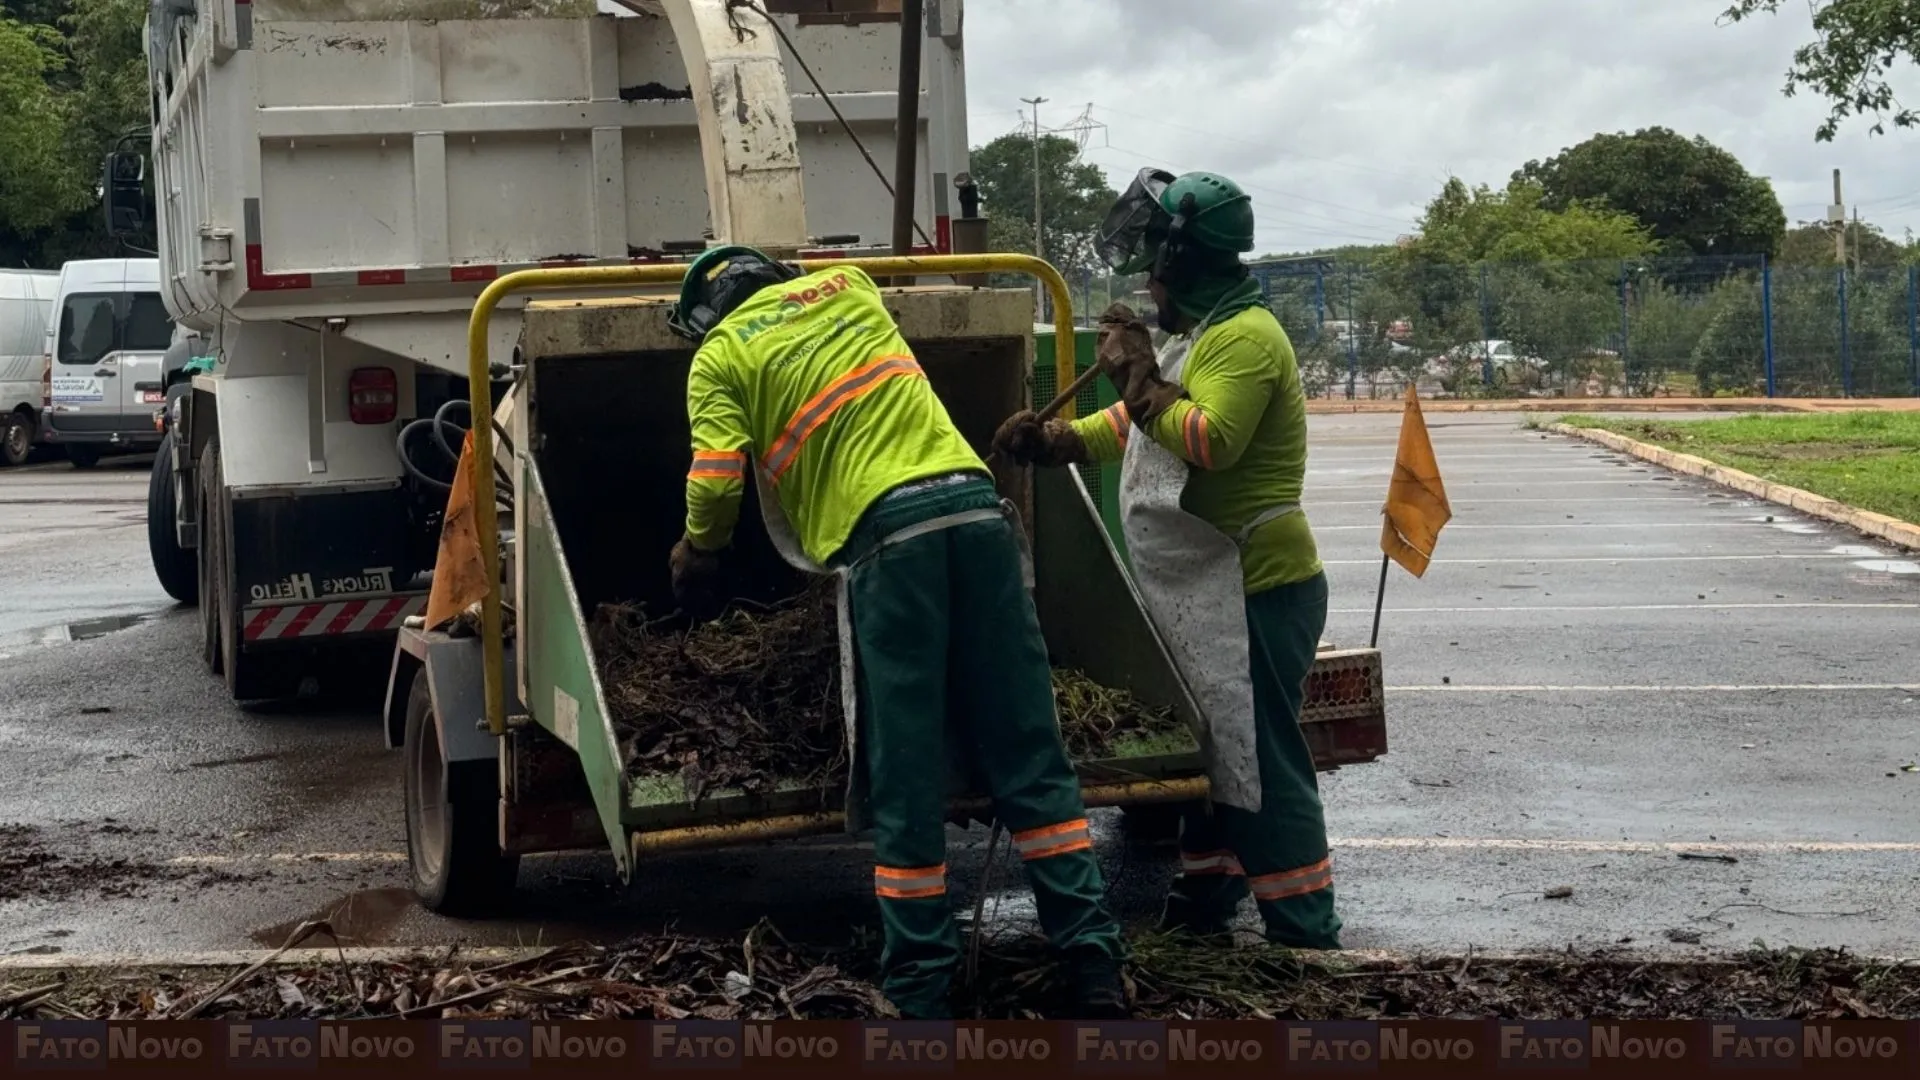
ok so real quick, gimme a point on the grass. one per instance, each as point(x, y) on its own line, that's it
point(1866, 459)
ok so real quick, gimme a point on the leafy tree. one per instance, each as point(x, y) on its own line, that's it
point(1811, 244)
point(38, 183)
point(1074, 197)
point(1856, 45)
point(1517, 225)
point(1693, 197)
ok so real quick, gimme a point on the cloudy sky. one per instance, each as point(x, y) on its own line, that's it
point(1342, 117)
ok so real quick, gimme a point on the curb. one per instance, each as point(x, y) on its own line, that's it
point(1333, 406)
point(1890, 529)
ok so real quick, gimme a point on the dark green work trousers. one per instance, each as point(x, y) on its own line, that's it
point(946, 633)
point(1278, 853)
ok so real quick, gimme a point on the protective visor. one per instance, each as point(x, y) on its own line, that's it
point(1137, 224)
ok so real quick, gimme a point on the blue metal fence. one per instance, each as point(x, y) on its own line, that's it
point(1707, 326)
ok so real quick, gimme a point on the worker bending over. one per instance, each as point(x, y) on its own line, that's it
point(805, 381)
point(1213, 439)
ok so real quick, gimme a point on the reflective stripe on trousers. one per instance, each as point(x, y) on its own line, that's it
point(909, 883)
point(1298, 882)
point(1053, 839)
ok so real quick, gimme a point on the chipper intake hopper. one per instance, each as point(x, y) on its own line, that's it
point(600, 452)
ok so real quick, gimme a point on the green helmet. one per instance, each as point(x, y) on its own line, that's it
point(1213, 212)
point(720, 280)
point(1222, 215)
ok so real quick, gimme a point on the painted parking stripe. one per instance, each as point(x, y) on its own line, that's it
point(1350, 843)
point(1602, 559)
point(1678, 496)
point(1648, 688)
point(1793, 604)
point(1453, 526)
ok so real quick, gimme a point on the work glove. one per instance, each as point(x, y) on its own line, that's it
point(1125, 353)
point(1025, 440)
point(698, 581)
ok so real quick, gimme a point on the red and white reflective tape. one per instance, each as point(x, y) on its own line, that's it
point(340, 617)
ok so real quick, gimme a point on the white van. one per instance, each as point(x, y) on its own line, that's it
point(26, 300)
point(107, 337)
point(25, 306)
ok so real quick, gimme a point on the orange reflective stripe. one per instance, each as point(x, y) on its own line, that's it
point(1211, 862)
point(722, 464)
point(911, 883)
point(808, 418)
point(1053, 839)
point(1196, 436)
point(1287, 883)
point(1117, 420)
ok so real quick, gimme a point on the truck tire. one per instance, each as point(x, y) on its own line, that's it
point(453, 816)
point(83, 455)
point(177, 568)
point(16, 437)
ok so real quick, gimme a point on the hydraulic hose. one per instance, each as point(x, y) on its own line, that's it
point(449, 432)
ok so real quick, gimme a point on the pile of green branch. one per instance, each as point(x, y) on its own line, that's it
point(752, 699)
point(766, 976)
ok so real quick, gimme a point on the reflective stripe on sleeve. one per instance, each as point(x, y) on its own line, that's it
point(910, 883)
point(718, 464)
point(1117, 420)
point(1053, 839)
point(1287, 883)
point(1198, 451)
point(808, 418)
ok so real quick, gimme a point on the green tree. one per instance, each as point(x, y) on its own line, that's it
point(1516, 225)
point(1693, 197)
point(1811, 244)
point(1856, 45)
point(1074, 197)
point(38, 183)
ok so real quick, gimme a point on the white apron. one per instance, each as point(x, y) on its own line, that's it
point(1188, 573)
point(787, 543)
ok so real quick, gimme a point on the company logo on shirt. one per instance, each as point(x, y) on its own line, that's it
point(791, 305)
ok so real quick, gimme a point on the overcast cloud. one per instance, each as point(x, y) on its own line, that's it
point(1343, 117)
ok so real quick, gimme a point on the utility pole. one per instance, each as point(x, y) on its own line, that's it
point(1856, 240)
point(1039, 245)
point(1837, 217)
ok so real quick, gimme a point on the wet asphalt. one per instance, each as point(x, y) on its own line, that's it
point(1690, 707)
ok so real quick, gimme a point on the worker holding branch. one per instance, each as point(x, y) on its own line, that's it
point(1212, 438)
point(804, 382)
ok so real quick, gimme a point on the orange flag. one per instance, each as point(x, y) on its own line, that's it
point(459, 575)
point(1416, 507)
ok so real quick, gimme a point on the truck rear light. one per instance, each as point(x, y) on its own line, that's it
point(373, 395)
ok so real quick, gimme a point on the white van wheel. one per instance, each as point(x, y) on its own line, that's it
point(16, 437)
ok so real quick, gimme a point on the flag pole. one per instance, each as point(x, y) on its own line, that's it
point(1379, 598)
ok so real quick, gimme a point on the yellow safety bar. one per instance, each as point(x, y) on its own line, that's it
point(479, 376)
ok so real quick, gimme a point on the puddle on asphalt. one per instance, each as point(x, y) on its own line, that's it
point(82, 630)
point(1858, 551)
point(1889, 566)
point(364, 917)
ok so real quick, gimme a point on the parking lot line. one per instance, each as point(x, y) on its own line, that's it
point(1835, 604)
point(1648, 688)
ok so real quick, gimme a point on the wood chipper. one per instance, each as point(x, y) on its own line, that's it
point(509, 747)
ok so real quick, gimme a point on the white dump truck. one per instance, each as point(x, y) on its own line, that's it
point(334, 181)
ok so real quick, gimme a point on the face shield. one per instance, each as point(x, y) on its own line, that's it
point(1137, 225)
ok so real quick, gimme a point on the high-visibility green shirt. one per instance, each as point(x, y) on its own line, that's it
point(811, 384)
point(1243, 430)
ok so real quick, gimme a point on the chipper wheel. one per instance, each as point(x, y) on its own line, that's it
point(453, 831)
